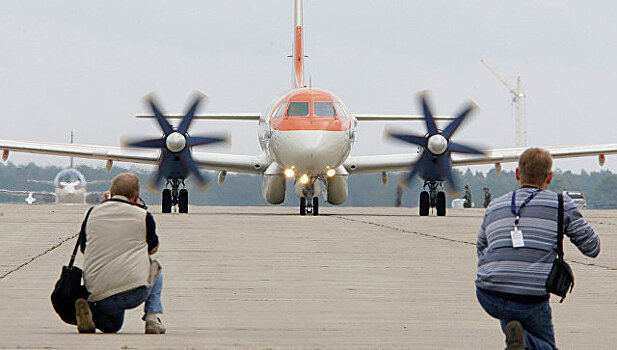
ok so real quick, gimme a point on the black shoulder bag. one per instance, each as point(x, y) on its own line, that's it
point(560, 280)
point(69, 288)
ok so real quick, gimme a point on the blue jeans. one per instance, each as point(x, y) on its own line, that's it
point(535, 318)
point(108, 314)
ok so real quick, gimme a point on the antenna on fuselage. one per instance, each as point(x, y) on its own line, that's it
point(71, 158)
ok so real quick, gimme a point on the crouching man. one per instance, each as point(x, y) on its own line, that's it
point(120, 236)
point(516, 249)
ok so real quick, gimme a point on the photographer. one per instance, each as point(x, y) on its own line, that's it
point(516, 249)
point(120, 236)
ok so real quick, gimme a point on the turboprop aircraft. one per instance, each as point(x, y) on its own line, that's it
point(306, 137)
point(70, 187)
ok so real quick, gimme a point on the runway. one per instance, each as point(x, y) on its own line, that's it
point(267, 278)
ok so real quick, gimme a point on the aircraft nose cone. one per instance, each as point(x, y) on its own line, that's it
point(175, 142)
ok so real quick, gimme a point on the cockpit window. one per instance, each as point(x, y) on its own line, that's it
point(280, 111)
point(323, 109)
point(340, 111)
point(298, 109)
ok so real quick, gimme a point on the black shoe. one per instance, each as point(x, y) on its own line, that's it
point(515, 337)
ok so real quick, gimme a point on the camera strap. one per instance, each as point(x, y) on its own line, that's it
point(560, 225)
point(82, 232)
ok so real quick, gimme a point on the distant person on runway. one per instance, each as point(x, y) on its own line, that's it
point(120, 236)
point(467, 197)
point(516, 249)
point(487, 197)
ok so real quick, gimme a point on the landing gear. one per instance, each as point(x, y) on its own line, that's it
point(433, 198)
point(441, 203)
point(315, 206)
point(424, 203)
point(166, 202)
point(175, 196)
point(302, 206)
point(183, 201)
point(309, 206)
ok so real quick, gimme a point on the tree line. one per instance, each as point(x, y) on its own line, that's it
point(599, 187)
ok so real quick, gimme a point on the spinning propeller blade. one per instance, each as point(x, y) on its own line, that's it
point(436, 146)
point(175, 145)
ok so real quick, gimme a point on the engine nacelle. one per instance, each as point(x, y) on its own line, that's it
point(602, 159)
point(337, 188)
point(497, 168)
point(273, 185)
point(5, 155)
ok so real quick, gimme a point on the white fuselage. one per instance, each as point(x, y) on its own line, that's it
point(72, 192)
point(310, 152)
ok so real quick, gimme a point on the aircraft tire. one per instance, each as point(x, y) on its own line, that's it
point(424, 203)
point(183, 201)
point(166, 201)
point(302, 206)
point(441, 204)
point(315, 206)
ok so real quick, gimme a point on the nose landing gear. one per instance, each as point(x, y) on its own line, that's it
point(311, 208)
point(175, 196)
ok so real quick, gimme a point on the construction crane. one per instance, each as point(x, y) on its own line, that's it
point(517, 101)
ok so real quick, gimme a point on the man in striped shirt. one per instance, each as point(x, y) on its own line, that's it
point(514, 263)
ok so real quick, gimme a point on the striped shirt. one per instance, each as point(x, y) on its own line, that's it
point(524, 270)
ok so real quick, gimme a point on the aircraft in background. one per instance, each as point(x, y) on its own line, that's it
point(306, 137)
point(70, 187)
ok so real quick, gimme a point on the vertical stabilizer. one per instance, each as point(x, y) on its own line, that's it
point(298, 45)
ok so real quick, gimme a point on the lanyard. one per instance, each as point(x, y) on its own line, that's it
point(517, 213)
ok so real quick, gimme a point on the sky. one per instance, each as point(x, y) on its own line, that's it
point(85, 66)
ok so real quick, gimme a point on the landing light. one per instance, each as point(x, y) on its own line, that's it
point(289, 172)
point(304, 179)
point(331, 172)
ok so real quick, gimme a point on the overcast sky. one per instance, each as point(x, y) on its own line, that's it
point(86, 66)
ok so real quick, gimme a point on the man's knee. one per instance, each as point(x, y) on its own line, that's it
point(109, 328)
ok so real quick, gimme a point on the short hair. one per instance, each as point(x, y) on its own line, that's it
point(534, 165)
point(125, 184)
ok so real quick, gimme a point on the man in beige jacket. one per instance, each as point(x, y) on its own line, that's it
point(120, 235)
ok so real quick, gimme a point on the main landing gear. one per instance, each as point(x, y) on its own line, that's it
point(311, 208)
point(175, 196)
point(432, 199)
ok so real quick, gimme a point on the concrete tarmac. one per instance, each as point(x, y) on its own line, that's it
point(267, 278)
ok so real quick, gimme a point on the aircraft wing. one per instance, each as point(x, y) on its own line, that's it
point(402, 162)
point(508, 155)
point(256, 116)
point(205, 160)
point(397, 117)
point(208, 116)
point(21, 193)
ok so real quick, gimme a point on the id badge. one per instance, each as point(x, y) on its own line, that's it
point(517, 238)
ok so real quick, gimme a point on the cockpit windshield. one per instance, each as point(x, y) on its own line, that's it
point(68, 176)
point(323, 109)
point(298, 109)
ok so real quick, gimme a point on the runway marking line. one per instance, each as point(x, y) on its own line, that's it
point(604, 267)
point(57, 245)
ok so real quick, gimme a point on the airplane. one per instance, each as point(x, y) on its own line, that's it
point(70, 188)
point(306, 137)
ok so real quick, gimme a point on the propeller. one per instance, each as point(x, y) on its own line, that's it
point(175, 143)
point(436, 144)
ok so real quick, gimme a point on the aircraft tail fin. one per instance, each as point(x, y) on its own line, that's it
point(298, 54)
